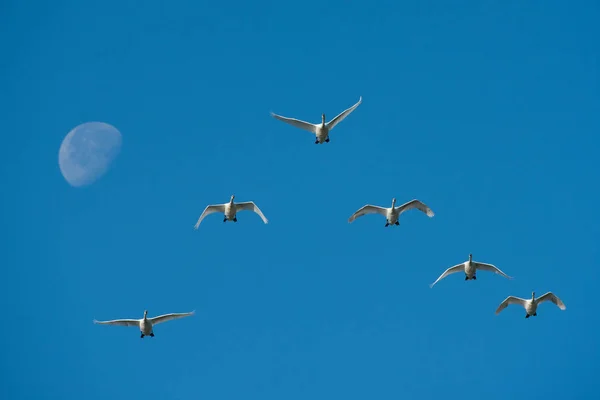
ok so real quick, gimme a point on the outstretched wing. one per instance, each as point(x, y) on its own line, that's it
point(209, 210)
point(168, 317)
point(120, 322)
point(491, 268)
point(368, 209)
point(510, 300)
point(552, 297)
point(250, 206)
point(331, 124)
point(307, 126)
point(449, 271)
point(415, 204)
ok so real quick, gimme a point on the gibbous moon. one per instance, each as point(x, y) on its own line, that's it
point(87, 152)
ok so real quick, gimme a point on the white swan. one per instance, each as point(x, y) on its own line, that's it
point(470, 268)
point(320, 130)
point(392, 214)
point(531, 305)
point(145, 324)
point(230, 211)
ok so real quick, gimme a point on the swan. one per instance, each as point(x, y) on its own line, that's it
point(531, 305)
point(320, 130)
point(470, 268)
point(230, 210)
point(392, 214)
point(145, 324)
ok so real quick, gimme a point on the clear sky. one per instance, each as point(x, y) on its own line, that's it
point(488, 111)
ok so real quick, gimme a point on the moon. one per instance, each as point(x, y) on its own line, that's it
point(87, 152)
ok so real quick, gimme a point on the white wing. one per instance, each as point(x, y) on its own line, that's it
point(416, 204)
point(551, 297)
point(331, 124)
point(168, 317)
point(250, 206)
point(510, 300)
point(297, 123)
point(368, 209)
point(209, 210)
point(449, 271)
point(491, 268)
point(120, 322)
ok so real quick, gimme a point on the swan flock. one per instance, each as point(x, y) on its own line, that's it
point(392, 214)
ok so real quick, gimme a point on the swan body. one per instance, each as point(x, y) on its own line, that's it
point(392, 214)
point(470, 268)
point(321, 131)
point(230, 210)
point(145, 324)
point(531, 305)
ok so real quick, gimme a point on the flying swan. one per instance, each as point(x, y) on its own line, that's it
point(230, 210)
point(470, 268)
point(320, 130)
point(531, 305)
point(145, 324)
point(392, 214)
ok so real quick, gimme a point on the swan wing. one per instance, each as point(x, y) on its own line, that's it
point(168, 317)
point(368, 209)
point(250, 206)
point(491, 268)
point(452, 270)
point(340, 117)
point(209, 210)
point(307, 126)
point(552, 297)
point(419, 205)
point(510, 300)
point(120, 322)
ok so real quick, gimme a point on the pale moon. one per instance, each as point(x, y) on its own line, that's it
point(87, 152)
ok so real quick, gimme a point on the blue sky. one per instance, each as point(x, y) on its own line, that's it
point(485, 110)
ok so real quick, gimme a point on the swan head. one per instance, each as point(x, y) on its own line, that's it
point(470, 257)
point(323, 118)
point(232, 197)
point(533, 295)
point(393, 202)
point(145, 313)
